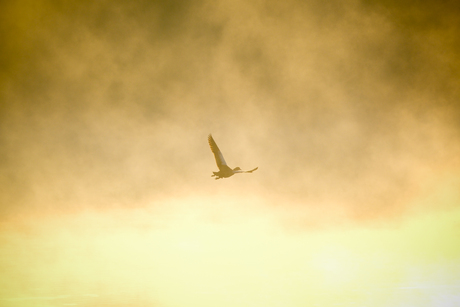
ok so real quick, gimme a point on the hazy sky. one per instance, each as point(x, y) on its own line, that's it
point(350, 109)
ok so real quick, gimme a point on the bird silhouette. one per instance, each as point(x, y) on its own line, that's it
point(224, 170)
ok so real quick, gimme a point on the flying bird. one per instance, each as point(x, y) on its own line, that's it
point(224, 170)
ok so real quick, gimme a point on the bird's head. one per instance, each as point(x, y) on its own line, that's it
point(237, 169)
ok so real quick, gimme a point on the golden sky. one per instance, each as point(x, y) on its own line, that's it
point(350, 109)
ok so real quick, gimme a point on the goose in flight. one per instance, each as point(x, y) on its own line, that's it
point(224, 170)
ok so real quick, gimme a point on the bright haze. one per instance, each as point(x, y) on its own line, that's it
point(350, 109)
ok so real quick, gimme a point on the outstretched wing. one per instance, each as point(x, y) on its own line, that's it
point(220, 161)
point(240, 171)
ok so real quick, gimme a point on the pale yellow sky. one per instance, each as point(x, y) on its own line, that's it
point(349, 109)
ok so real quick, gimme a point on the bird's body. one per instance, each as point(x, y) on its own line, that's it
point(224, 170)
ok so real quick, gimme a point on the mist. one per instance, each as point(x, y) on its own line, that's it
point(349, 109)
point(104, 104)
